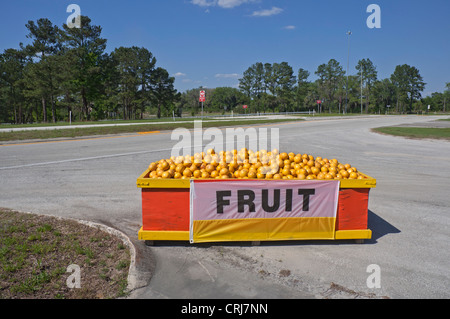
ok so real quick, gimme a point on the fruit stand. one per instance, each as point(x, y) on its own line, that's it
point(167, 210)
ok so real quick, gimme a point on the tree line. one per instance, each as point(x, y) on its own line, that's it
point(267, 87)
point(67, 72)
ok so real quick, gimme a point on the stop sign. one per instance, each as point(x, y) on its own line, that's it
point(202, 96)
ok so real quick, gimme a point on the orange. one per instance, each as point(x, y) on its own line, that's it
point(214, 174)
point(251, 174)
point(315, 170)
point(187, 173)
point(177, 175)
point(153, 174)
point(224, 171)
point(166, 174)
point(344, 174)
point(197, 174)
point(205, 175)
point(165, 166)
point(243, 173)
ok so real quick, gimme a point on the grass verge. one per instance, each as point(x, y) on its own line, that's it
point(36, 251)
point(415, 132)
point(107, 130)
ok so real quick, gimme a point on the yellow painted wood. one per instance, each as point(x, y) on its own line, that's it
point(145, 182)
point(369, 182)
point(184, 235)
point(353, 234)
point(163, 235)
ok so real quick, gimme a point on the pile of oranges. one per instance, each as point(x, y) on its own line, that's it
point(246, 164)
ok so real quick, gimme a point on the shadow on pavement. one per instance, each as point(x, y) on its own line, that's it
point(379, 226)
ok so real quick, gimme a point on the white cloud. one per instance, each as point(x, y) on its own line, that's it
point(228, 76)
point(204, 3)
point(267, 12)
point(179, 74)
point(227, 4)
point(290, 27)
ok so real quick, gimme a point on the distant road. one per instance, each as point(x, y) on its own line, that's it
point(66, 127)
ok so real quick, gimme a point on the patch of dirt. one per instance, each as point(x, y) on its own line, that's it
point(40, 256)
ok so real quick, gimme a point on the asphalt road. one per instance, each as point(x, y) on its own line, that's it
point(95, 180)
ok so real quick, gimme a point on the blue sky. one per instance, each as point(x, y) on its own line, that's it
point(212, 42)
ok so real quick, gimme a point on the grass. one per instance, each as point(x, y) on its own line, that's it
point(36, 252)
point(107, 130)
point(416, 132)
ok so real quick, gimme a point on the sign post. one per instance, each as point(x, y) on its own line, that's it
point(202, 99)
point(319, 104)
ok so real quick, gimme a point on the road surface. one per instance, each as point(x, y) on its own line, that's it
point(94, 179)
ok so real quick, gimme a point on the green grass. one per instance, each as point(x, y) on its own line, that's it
point(416, 132)
point(107, 130)
point(35, 252)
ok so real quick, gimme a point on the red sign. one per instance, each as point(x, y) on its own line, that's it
point(319, 102)
point(202, 96)
point(245, 106)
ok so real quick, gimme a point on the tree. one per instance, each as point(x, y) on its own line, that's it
point(12, 64)
point(383, 94)
point(302, 87)
point(330, 76)
point(86, 47)
point(128, 81)
point(146, 66)
point(285, 81)
point(226, 98)
point(163, 91)
point(367, 75)
point(45, 37)
point(409, 83)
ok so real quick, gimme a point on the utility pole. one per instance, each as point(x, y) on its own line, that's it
point(348, 62)
point(361, 91)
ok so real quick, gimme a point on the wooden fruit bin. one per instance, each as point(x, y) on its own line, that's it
point(166, 209)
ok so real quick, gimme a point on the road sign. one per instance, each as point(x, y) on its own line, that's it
point(319, 102)
point(245, 106)
point(202, 96)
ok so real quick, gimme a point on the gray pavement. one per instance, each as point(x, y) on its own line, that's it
point(95, 180)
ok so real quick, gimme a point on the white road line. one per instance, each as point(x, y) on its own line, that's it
point(83, 159)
